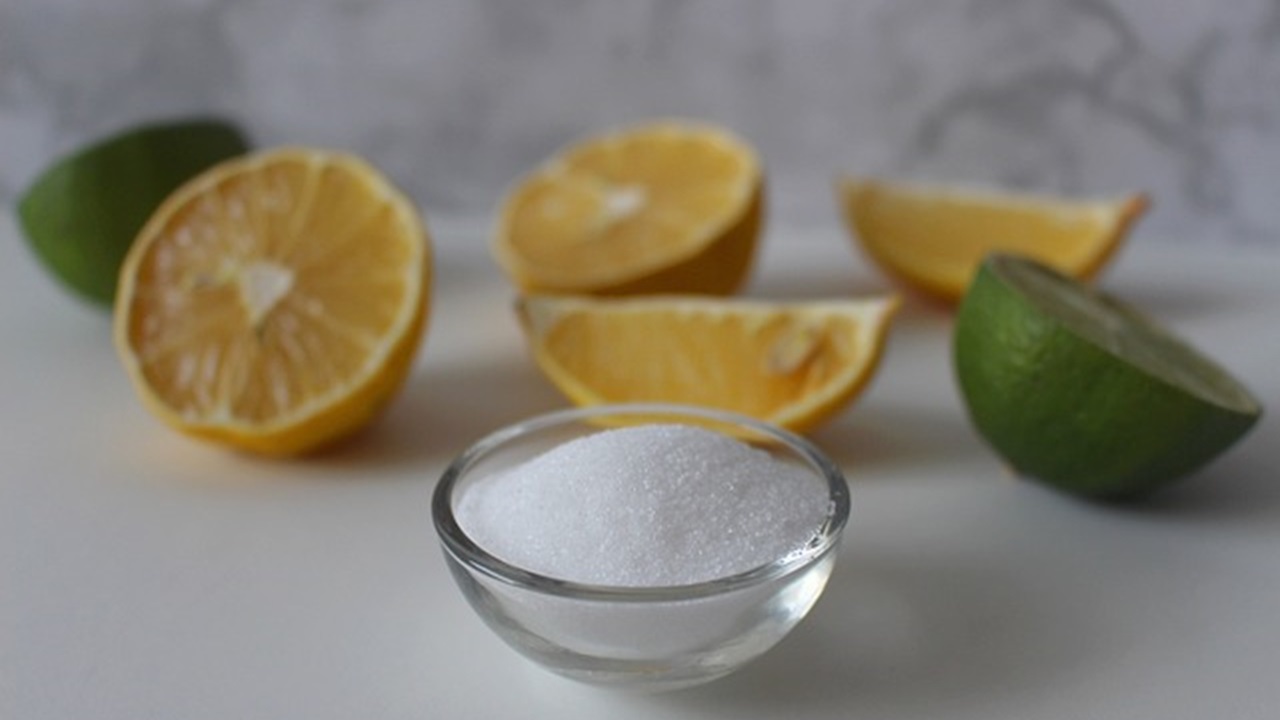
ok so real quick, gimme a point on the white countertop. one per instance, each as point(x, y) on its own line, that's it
point(144, 575)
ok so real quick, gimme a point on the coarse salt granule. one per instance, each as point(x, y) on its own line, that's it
point(646, 506)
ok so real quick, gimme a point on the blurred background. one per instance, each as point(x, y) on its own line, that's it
point(455, 98)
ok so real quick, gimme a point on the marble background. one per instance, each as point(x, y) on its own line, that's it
point(455, 98)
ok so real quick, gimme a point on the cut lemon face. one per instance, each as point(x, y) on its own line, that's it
point(275, 302)
point(792, 364)
point(933, 238)
point(661, 208)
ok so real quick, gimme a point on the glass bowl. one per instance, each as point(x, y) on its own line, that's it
point(649, 638)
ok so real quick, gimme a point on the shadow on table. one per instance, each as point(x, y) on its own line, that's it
point(894, 434)
point(897, 634)
point(444, 409)
point(1241, 486)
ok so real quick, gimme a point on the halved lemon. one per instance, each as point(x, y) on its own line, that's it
point(275, 302)
point(666, 207)
point(792, 364)
point(933, 238)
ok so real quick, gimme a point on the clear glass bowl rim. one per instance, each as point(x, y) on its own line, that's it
point(470, 555)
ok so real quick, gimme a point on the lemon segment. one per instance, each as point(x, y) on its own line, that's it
point(933, 238)
point(792, 364)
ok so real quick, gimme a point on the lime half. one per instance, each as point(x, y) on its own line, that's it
point(81, 215)
point(1078, 390)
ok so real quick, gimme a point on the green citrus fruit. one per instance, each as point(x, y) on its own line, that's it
point(82, 213)
point(1078, 390)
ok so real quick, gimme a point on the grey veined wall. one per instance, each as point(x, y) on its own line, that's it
point(454, 98)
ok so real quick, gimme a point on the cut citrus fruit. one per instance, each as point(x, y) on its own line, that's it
point(275, 302)
point(792, 364)
point(1078, 390)
point(83, 212)
point(667, 207)
point(933, 238)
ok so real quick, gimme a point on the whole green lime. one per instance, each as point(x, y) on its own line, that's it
point(1080, 391)
point(81, 214)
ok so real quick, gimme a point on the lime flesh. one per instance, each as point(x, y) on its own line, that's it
point(81, 214)
point(1078, 390)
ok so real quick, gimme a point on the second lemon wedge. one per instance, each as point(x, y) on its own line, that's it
point(933, 238)
point(793, 364)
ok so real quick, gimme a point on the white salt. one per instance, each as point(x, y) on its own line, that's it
point(646, 506)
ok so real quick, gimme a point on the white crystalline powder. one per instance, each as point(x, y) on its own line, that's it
point(649, 505)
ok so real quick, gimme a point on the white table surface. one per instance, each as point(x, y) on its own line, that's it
point(145, 575)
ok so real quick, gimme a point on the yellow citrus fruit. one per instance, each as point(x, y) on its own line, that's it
point(275, 301)
point(933, 238)
point(792, 364)
point(666, 207)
